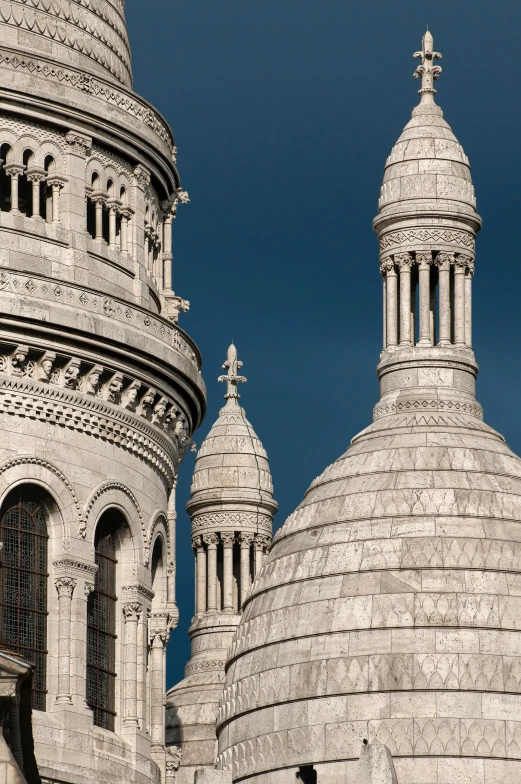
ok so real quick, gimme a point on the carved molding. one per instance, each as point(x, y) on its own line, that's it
point(428, 404)
point(228, 520)
point(25, 398)
point(94, 302)
point(204, 666)
point(107, 487)
point(427, 236)
point(27, 460)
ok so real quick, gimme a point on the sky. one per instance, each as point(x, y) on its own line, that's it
point(284, 112)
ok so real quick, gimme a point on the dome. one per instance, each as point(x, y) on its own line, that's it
point(91, 36)
point(426, 164)
point(232, 465)
point(389, 608)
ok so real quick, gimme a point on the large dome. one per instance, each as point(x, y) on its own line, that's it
point(389, 608)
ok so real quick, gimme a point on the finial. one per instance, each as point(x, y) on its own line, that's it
point(427, 71)
point(231, 378)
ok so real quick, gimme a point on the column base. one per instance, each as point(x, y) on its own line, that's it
point(131, 723)
point(63, 699)
point(425, 342)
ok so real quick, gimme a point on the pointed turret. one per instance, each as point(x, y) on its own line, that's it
point(231, 508)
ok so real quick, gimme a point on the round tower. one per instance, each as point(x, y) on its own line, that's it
point(100, 389)
point(231, 508)
point(388, 608)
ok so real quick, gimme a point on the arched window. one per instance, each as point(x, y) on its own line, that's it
point(101, 623)
point(23, 583)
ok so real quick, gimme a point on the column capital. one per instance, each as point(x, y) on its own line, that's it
point(65, 586)
point(387, 266)
point(78, 143)
point(141, 176)
point(14, 169)
point(444, 260)
point(403, 260)
point(462, 261)
point(197, 542)
point(174, 756)
point(211, 540)
point(99, 197)
point(424, 259)
point(262, 542)
point(57, 180)
point(246, 539)
point(132, 611)
point(35, 174)
point(228, 538)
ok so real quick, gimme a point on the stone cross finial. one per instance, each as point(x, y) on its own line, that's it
point(231, 378)
point(427, 71)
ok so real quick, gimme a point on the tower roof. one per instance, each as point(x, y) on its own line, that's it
point(231, 466)
point(427, 170)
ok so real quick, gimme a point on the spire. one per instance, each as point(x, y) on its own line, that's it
point(427, 71)
point(231, 378)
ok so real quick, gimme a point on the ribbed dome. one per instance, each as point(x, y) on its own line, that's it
point(427, 163)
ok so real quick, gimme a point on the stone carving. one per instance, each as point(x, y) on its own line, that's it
point(403, 260)
point(235, 520)
point(65, 586)
point(173, 759)
point(43, 367)
point(78, 143)
point(227, 538)
point(69, 375)
point(132, 611)
point(158, 414)
point(146, 403)
point(90, 381)
point(130, 395)
point(110, 391)
point(427, 236)
point(211, 540)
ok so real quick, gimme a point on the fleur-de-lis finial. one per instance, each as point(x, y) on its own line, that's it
point(427, 71)
point(231, 378)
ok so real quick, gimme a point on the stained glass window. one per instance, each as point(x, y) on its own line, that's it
point(101, 634)
point(23, 586)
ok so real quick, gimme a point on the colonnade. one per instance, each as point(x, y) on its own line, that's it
point(241, 556)
point(415, 320)
point(36, 176)
point(116, 209)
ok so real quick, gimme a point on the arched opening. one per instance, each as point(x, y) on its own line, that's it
point(158, 575)
point(101, 621)
point(23, 583)
point(5, 180)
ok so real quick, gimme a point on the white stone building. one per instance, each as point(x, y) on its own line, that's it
point(388, 611)
point(100, 390)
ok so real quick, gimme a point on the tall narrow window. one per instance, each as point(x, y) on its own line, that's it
point(101, 631)
point(23, 584)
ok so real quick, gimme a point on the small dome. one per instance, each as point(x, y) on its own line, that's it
point(427, 164)
point(232, 465)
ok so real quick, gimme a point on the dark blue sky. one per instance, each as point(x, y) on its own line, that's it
point(284, 112)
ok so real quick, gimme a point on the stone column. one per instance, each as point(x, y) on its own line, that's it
point(131, 613)
point(460, 265)
point(424, 261)
point(392, 302)
point(113, 206)
point(65, 587)
point(259, 545)
point(228, 538)
point(444, 261)
point(468, 302)
point(158, 642)
point(126, 214)
point(167, 253)
point(171, 517)
point(245, 540)
point(99, 200)
point(56, 184)
point(404, 262)
point(200, 554)
point(384, 306)
point(36, 176)
point(174, 756)
point(211, 541)
point(73, 197)
point(14, 170)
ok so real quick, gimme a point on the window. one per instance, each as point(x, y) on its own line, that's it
point(23, 583)
point(101, 625)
